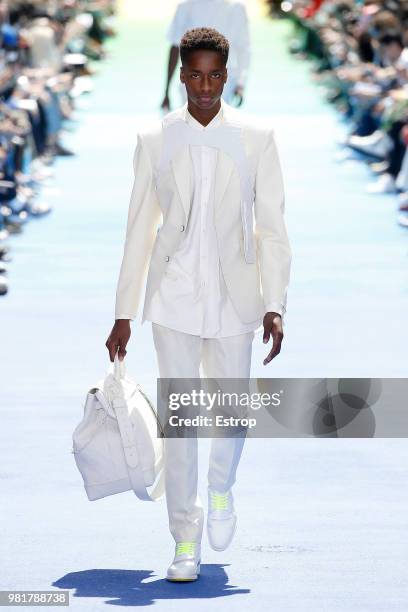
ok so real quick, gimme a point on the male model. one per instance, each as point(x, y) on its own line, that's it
point(218, 268)
point(227, 16)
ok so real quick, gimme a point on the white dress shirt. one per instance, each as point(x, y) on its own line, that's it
point(228, 17)
point(193, 297)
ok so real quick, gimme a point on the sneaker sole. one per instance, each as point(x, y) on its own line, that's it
point(192, 579)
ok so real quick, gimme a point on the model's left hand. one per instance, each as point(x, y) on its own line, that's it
point(272, 323)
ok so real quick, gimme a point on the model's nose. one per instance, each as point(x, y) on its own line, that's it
point(206, 88)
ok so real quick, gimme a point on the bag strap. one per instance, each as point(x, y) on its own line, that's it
point(129, 441)
point(119, 369)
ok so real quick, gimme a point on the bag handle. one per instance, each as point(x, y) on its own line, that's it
point(119, 369)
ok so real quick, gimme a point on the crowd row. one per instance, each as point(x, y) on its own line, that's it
point(360, 54)
point(46, 51)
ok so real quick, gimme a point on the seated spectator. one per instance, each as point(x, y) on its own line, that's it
point(45, 48)
point(361, 57)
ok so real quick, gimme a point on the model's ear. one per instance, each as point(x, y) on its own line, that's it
point(182, 74)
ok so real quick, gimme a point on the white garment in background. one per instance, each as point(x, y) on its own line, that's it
point(179, 355)
point(230, 18)
point(193, 297)
point(44, 51)
point(402, 61)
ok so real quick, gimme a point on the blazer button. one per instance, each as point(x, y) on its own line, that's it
point(167, 258)
point(182, 228)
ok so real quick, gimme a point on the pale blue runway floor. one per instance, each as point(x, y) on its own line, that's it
point(322, 523)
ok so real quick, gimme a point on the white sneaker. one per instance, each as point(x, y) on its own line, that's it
point(384, 184)
point(186, 562)
point(403, 219)
point(403, 198)
point(378, 143)
point(221, 519)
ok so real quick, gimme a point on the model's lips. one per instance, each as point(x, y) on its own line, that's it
point(205, 98)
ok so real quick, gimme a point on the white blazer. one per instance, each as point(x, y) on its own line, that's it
point(255, 288)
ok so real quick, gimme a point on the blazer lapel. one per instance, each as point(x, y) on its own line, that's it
point(225, 164)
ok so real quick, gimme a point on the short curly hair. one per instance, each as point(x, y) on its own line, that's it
point(199, 39)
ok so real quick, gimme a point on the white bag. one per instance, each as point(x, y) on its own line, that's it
point(116, 445)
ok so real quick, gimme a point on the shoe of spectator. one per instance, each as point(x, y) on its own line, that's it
point(40, 170)
point(13, 226)
point(4, 249)
point(40, 163)
point(3, 285)
point(47, 159)
point(58, 149)
point(35, 209)
point(378, 144)
point(403, 198)
point(402, 219)
point(82, 84)
point(343, 155)
point(4, 256)
point(384, 184)
point(379, 167)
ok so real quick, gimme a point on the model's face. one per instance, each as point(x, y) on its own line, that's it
point(204, 75)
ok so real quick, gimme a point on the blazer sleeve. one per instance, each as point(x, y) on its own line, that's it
point(141, 231)
point(274, 252)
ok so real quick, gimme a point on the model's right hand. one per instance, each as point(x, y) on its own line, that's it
point(118, 339)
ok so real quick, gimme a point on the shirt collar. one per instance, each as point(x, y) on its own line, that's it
point(215, 121)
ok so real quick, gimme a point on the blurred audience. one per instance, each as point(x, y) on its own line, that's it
point(45, 51)
point(360, 56)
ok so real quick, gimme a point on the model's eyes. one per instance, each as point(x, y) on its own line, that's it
point(217, 75)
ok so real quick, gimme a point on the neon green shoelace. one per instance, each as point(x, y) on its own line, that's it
point(219, 501)
point(185, 547)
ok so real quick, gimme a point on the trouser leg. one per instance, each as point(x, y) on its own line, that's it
point(227, 358)
point(178, 356)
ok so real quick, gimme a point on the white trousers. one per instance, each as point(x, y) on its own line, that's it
point(180, 355)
